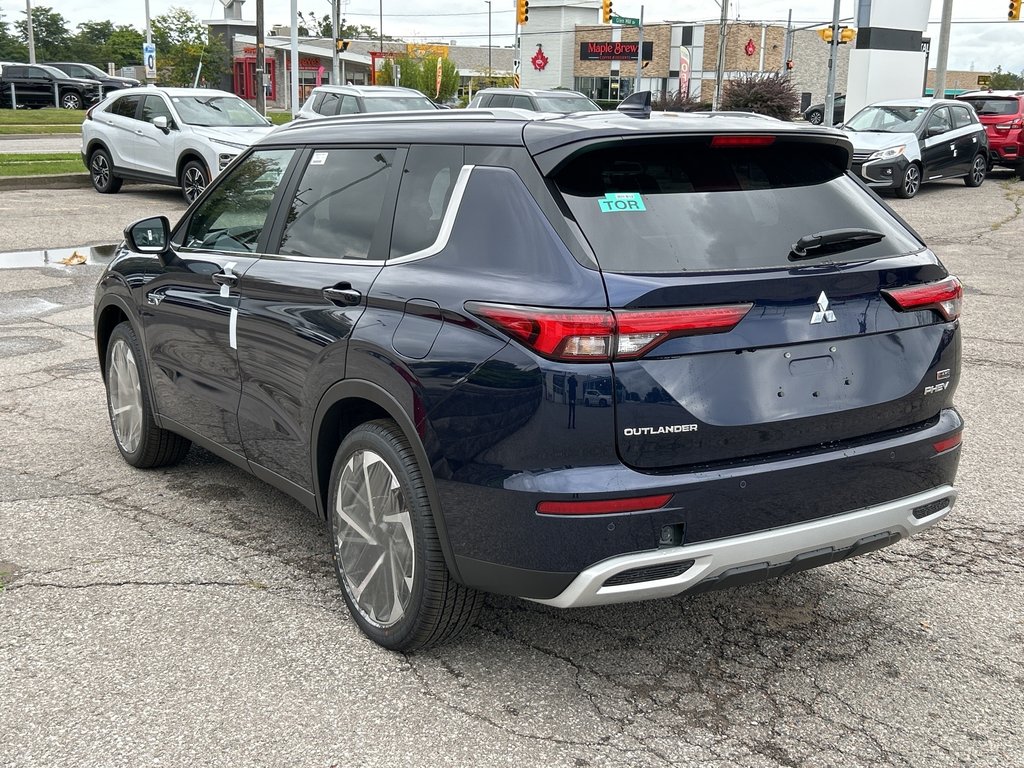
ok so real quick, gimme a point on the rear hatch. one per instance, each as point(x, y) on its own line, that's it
point(999, 114)
point(765, 302)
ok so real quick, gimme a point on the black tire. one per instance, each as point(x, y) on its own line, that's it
point(142, 443)
point(194, 179)
point(815, 117)
point(979, 168)
point(373, 557)
point(910, 182)
point(101, 171)
point(71, 100)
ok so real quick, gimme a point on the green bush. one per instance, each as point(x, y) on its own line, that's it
point(675, 101)
point(771, 95)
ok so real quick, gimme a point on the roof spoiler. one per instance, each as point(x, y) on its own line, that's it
point(637, 105)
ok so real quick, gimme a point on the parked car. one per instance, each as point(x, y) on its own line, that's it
point(596, 398)
point(329, 100)
point(37, 85)
point(900, 145)
point(558, 101)
point(89, 72)
point(178, 136)
point(815, 114)
point(380, 315)
point(1002, 114)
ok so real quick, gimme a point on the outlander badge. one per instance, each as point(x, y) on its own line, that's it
point(823, 313)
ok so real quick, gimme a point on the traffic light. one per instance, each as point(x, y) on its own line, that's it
point(606, 11)
point(1014, 14)
point(523, 11)
point(846, 35)
point(825, 34)
point(342, 45)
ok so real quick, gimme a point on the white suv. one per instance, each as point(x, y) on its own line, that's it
point(178, 136)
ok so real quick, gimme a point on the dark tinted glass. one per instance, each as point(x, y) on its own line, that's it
point(427, 184)
point(338, 203)
point(125, 106)
point(522, 102)
point(500, 100)
point(396, 103)
point(329, 104)
point(683, 206)
point(154, 107)
point(994, 106)
point(232, 216)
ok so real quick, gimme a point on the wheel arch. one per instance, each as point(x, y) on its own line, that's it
point(111, 313)
point(343, 407)
point(188, 156)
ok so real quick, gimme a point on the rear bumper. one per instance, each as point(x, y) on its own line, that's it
point(756, 556)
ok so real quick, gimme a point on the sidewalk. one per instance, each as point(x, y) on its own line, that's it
point(41, 142)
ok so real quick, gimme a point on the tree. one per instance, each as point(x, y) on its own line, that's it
point(182, 44)
point(10, 48)
point(49, 32)
point(124, 46)
point(312, 25)
point(1006, 81)
point(421, 74)
point(771, 95)
point(87, 44)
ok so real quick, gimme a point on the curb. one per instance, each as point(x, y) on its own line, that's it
point(46, 181)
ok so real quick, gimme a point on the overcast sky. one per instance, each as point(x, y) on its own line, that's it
point(979, 46)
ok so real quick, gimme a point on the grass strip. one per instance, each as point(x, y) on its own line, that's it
point(39, 163)
point(63, 117)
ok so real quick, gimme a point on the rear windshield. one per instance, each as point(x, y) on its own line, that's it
point(397, 103)
point(994, 106)
point(684, 206)
point(565, 104)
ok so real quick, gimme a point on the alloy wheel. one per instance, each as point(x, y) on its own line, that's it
point(71, 101)
point(911, 181)
point(816, 118)
point(978, 170)
point(100, 170)
point(374, 539)
point(194, 183)
point(125, 396)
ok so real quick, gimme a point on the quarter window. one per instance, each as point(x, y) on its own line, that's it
point(232, 216)
point(338, 204)
point(125, 106)
point(427, 183)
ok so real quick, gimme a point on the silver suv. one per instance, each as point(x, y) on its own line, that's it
point(560, 102)
point(178, 136)
point(329, 100)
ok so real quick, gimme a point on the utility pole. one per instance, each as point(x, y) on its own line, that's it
point(640, 52)
point(489, 70)
point(295, 58)
point(149, 33)
point(833, 51)
point(31, 37)
point(940, 63)
point(787, 54)
point(720, 67)
point(336, 33)
point(261, 62)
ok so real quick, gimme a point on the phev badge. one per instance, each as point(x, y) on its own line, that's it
point(823, 313)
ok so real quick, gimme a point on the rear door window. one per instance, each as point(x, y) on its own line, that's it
point(125, 106)
point(679, 206)
point(426, 188)
point(501, 100)
point(329, 105)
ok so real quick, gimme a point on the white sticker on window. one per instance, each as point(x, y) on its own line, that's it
point(319, 158)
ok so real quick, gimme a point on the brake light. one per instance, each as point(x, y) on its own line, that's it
point(730, 142)
point(949, 442)
point(1018, 123)
point(604, 335)
point(604, 506)
point(945, 297)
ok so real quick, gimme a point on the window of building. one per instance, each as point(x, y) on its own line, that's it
point(338, 204)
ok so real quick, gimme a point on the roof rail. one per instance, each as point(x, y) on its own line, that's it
point(438, 115)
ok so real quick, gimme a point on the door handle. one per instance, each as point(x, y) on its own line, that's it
point(343, 294)
point(225, 278)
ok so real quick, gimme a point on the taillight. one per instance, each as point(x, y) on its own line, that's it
point(945, 297)
point(1018, 123)
point(730, 142)
point(604, 335)
point(603, 506)
point(950, 442)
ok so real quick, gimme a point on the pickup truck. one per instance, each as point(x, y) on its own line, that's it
point(37, 85)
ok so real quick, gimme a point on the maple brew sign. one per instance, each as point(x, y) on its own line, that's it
point(618, 51)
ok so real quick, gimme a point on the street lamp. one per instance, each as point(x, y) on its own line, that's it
point(489, 72)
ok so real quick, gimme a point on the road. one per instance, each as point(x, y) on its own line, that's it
point(189, 616)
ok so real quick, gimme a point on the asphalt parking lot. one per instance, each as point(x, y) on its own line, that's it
point(189, 616)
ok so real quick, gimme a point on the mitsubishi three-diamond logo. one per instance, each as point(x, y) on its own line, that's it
point(823, 313)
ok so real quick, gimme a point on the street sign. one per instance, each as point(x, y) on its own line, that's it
point(984, 81)
point(625, 21)
point(149, 59)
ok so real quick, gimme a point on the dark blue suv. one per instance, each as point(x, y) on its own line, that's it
point(579, 360)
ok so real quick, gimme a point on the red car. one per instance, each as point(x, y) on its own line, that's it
point(1002, 114)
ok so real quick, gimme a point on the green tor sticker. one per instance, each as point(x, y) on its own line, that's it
point(621, 202)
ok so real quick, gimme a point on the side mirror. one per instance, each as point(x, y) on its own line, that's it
point(152, 235)
point(161, 122)
point(935, 130)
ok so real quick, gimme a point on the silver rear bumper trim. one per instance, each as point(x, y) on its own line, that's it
point(774, 546)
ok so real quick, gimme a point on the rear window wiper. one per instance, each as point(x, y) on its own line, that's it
point(833, 241)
